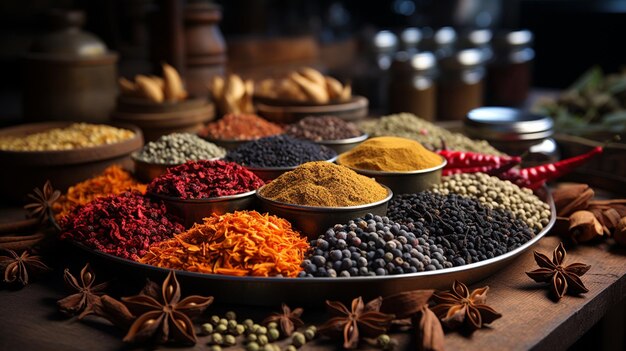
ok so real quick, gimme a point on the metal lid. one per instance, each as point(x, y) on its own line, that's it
point(418, 62)
point(410, 37)
point(475, 38)
point(512, 39)
point(385, 41)
point(466, 58)
point(507, 124)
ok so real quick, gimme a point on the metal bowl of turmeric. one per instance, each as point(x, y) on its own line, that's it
point(407, 182)
point(313, 221)
point(270, 173)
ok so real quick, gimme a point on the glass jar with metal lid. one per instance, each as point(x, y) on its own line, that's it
point(514, 132)
point(460, 84)
point(412, 85)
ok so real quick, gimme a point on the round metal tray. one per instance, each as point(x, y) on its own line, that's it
point(271, 291)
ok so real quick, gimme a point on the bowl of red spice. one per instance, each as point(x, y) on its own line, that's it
point(233, 130)
point(197, 189)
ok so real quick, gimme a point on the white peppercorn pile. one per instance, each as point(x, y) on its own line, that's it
point(178, 148)
point(369, 246)
point(465, 229)
point(499, 194)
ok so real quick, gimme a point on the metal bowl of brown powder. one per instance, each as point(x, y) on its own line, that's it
point(313, 221)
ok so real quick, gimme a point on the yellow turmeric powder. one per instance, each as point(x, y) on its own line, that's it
point(390, 154)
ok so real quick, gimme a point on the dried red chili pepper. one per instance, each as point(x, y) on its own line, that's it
point(466, 159)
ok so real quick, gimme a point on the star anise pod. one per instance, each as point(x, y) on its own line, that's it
point(459, 307)
point(167, 319)
point(88, 295)
point(362, 318)
point(41, 207)
point(562, 279)
point(289, 321)
point(16, 266)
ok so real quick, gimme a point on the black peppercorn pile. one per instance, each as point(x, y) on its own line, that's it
point(370, 246)
point(323, 128)
point(279, 151)
point(466, 230)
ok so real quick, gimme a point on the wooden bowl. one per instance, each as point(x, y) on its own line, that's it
point(155, 120)
point(286, 112)
point(25, 170)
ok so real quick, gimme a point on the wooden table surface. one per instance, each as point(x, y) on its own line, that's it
point(29, 320)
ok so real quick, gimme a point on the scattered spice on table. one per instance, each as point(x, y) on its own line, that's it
point(323, 184)
point(243, 243)
point(240, 126)
point(322, 128)
point(407, 125)
point(19, 268)
point(368, 246)
point(279, 151)
point(113, 180)
point(463, 228)
point(124, 225)
point(86, 296)
point(165, 318)
point(205, 179)
point(74, 136)
point(562, 279)
point(458, 308)
point(391, 154)
point(359, 320)
point(177, 148)
point(495, 193)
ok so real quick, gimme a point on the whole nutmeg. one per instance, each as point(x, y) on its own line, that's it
point(620, 232)
point(584, 226)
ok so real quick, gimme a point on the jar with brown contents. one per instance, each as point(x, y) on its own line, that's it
point(412, 86)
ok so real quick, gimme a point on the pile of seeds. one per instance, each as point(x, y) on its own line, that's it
point(178, 148)
point(279, 151)
point(495, 193)
point(240, 127)
point(205, 179)
point(369, 246)
point(323, 128)
point(465, 229)
point(122, 225)
point(75, 136)
point(407, 125)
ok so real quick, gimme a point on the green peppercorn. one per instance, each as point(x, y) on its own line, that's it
point(272, 325)
point(273, 334)
point(224, 321)
point(262, 340)
point(215, 348)
point(240, 329)
point(261, 330)
point(298, 339)
point(251, 337)
point(253, 346)
point(229, 340)
point(215, 320)
point(232, 323)
point(248, 323)
point(309, 334)
point(291, 348)
point(221, 328)
point(271, 347)
point(383, 341)
point(207, 328)
point(231, 315)
point(217, 338)
point(255, 328)
point(313, 328)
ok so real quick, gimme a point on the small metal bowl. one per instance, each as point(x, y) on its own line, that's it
point(146, 171)
point(270, 173)
point(228, 144)
point(195, 210)
point(313, 221)
point(407, 182)
point(343, 145)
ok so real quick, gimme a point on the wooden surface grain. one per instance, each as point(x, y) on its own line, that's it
point(29, 320)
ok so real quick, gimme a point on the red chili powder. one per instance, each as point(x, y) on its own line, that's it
point(241, 127)
point(204, 179)
point(123, 225)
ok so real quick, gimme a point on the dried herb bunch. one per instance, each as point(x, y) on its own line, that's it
point(361, 318)
point(167, 318)
point(16, 267)
point(459, 308)
point(87, 294)
point(563, 279)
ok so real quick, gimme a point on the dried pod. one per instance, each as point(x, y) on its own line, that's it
point(406, 304)
point(584, 226)
point(346, 94)
point(313, 75)
point(290, 90)
point(334, 88)
point(173, 88)
point(610, 218)
point(159, 81)
point(569, 198)
point(315, 92)
point(127, 87)
point(620, 232)
point(148, 88)
point(235, 88)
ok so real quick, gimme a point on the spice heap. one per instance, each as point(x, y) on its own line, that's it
point(369, 246)
point(205, 179)
point(123, 225)
point(495, 193)
point(323, 128)
point(466, 230)
point(74, 136)
point(304, 85)
point(240, 243)
point(279, 151)
point(240, 127)
point(177, 148)
point(390, 154)
point(156, 89)
point(407, 125)
point(113, 180)
point(323, 184)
